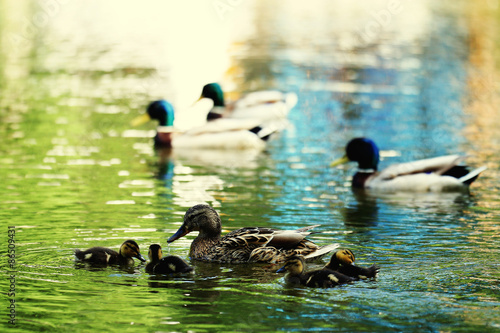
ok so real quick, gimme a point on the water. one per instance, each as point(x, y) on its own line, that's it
point(420, 83)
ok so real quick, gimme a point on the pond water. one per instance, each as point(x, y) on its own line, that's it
point(417, 77)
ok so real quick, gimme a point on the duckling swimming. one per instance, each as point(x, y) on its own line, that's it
point(438, 174)
point(251, 244)
point(342, 261)
point(323, 278)
point(165, 265)
point(104, 256)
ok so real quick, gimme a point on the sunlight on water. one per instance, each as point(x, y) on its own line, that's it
point(417, 77)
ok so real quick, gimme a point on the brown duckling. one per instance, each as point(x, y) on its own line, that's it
point(165, 265)
point(254, 244)
point(322, 278)
point(342, 261)
point(104, 256)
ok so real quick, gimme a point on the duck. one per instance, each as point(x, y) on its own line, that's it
point(295, 267)
point(342, 261)
point(438, 174)
point(249, 244)
point(165, 265)
point(217, 134)
point(104, 256)
point(265, 105)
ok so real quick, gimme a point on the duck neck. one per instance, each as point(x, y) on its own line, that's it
point(202, 245)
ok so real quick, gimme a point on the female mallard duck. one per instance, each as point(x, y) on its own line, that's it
point(342, 261)
point(323, 278)
point(252, 244)
point(219, 134)
point(101, 255)
point(265, 105)
point(165, 265)
point(439, 174)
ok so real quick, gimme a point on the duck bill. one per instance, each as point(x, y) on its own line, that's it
point(342, 160)
point(140, 257)
point(281, 270)
point(181, 232)
point(142, 119)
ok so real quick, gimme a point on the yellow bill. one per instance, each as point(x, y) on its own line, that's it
point(340, 161)
point(142, 119)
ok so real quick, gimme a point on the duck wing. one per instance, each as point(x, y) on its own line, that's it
point(437, 165)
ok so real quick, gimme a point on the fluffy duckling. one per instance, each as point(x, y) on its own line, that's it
point(252, 244)
point(165, 265)
point(104, 256)
point(323, 278)
point(438, 174)
point(342, 261)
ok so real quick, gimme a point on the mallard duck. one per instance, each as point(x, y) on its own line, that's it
point(342, 261)
point(264, 105)
point(323, 278)
point(438, 174)
point(254, 244)
point(165, 265)
point(102, 255)
point(220, 134)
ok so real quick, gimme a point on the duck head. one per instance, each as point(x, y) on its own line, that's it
point(361, 150)
point(341, 257)
point(155, 253)
point(130, 249)
point(294, 265)
point(202, 218)
point(214, 92)
point(162, 111)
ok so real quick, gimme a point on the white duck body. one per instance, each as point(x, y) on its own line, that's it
point(421, 176)
point(264, 105)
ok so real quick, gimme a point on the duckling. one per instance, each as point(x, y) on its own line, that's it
point(217, 134)
point(265, 105)
point(251, 244)
point(342, 261)
point(165, 265)
point(101, 255)
point(322, 278)
point(438, 174)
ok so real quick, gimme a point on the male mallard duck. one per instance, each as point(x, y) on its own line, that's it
point(220, 134)
point(101, 255)
point(342, 261)
point(254, 244)
point(165, 265)
point(264, 105)
point(438, 174)
point(322, 278)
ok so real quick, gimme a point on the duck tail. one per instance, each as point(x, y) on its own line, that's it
point(264, 133)
point(472, 176)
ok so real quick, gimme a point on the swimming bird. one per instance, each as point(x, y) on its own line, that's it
point(251, 244)
point(438, 174)
point(165, 265)
point(342, 261)
point(219, 134)
point(264, 105)
point(102, 255)
point(323, 278)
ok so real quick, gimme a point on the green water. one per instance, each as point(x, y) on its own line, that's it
point(75, 175)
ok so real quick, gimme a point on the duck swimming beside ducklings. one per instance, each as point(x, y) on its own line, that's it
point(104, 256)
point(295, 267)
point(165, 265)
point(251, 244)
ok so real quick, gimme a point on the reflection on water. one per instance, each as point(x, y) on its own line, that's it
point(414, 77)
